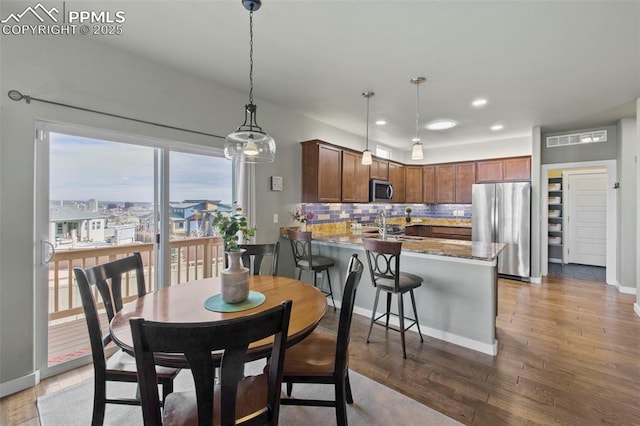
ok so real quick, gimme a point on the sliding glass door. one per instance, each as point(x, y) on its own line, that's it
point(102, 196)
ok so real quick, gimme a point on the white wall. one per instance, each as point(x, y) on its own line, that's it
point(627, 202)
point(505, 147)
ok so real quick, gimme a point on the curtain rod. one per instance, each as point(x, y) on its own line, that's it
point(15, 95)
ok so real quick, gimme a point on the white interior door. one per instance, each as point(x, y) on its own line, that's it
point(587, 218)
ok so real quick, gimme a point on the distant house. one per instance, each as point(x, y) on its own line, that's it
point(68, 225)
point(191, 217)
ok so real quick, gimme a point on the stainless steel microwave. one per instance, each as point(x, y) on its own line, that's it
point(380, 190)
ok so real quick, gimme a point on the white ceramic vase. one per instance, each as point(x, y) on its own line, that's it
point(234, 281)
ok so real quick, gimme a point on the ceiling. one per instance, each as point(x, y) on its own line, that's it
point(561, 65)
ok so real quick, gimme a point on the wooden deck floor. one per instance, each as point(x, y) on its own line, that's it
point(70, 340)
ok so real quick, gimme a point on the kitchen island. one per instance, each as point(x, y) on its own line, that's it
point(457, 301)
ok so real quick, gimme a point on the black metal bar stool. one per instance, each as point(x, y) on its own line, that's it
point(384, 264)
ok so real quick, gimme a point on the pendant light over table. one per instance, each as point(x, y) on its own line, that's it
point(366, 155)
point(416, 150)
point(249, 142)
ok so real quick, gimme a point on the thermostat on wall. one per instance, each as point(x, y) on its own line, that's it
point(276, 183)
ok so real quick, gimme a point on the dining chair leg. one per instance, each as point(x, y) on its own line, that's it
point(99, 402)
point(347, 385)
point(341, 404)
point(299, 274)
point(388, 310)
point(373, 314)
point(289, 388)
point(415, 313)
point(326, 271)
point(401, 315)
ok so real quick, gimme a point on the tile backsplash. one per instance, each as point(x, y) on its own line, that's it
point(367, 213)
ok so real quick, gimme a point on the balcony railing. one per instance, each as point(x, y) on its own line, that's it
point(191, 259)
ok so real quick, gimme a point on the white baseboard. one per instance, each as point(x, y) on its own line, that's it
point(16, 385)
point(636, 309)
point(625, 290)
point(554, 260)
point(535, 280)
point(491, 349)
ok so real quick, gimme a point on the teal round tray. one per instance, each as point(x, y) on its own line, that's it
point(216, 304)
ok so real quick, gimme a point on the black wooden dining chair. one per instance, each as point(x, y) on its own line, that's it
point(324, 358)
point(120, 367)
point(238, 400)
point(257, 252)
point(305, 260)
point(383, 258)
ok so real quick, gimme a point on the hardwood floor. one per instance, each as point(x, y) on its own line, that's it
point(569, 353)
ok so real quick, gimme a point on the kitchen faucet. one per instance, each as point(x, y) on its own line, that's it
point(383, 224)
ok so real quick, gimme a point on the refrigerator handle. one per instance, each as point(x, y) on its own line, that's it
point(494, 220)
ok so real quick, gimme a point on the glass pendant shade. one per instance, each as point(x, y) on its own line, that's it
point(249, 142)
point(366, 158)
point(416, 151)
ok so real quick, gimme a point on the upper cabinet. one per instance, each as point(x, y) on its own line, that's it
point(379, 169)
point(397, 178)
point(333, 174)
point(504, 169)
point(453, 183)
point(355, 178)
point(413, 189)
point(465, 178)
point(429, 184)
point(321, 172)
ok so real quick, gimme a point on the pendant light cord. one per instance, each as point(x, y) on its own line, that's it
point(367, 123)
point(418, 113)
point(251, 57)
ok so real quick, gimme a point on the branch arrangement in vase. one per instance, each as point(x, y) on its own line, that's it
point(229, 225)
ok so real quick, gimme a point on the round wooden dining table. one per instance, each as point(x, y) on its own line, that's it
point(185, 303)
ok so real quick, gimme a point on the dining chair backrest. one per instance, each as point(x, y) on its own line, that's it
point(354, 273)
point(108, 279)
point(197, 341)
point(383, 258)
point(301, 247)
point(258, 252)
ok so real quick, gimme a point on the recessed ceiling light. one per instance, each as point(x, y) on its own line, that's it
point(441, 124)
point(381, 122)
point(497, 127)
point(480, 102)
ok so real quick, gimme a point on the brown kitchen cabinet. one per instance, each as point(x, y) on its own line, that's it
point(418, 230)
point(454, 182)
point(429, 184)
point(503, 169)
point(465, 178)
point(451, 233)
point(517, 168)
point(397, 178)
point(379, 169)
point(321, 172)
point(355, 178)
point(413, 189)
point(445, 183)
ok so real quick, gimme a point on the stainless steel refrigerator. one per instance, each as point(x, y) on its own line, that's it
point(501, 213)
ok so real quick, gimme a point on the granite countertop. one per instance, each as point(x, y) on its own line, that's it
point(433, 246)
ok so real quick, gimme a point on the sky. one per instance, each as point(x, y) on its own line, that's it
point(85, 168)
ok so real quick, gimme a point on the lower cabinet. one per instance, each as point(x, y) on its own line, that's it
point(451, 233)
point(445, 232)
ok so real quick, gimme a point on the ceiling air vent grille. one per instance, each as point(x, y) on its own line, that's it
point(577, 138)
